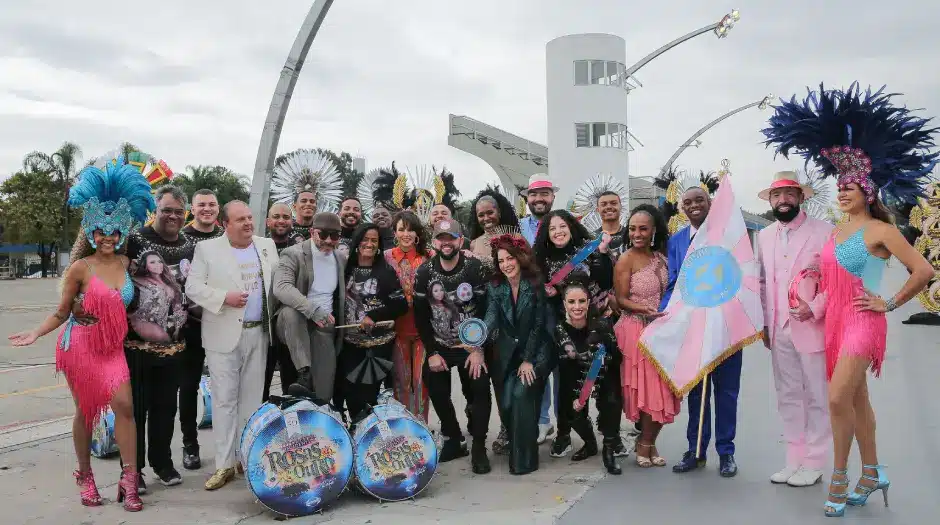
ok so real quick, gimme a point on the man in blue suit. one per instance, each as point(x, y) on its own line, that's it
point(725, 380)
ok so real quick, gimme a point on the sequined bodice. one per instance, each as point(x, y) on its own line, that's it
point(647, 285)
point(853, 255)
point(126, 291)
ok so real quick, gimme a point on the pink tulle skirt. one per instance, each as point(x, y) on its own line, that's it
point(643, 389)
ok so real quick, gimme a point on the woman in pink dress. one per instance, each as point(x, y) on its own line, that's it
point(96, 292)
point(889, 158)
point(640, 278)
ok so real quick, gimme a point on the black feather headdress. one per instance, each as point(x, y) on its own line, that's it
point(859, 137)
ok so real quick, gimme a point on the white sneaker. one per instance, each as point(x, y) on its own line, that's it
point(805, 477)
point(545, 430)
point(784, 475)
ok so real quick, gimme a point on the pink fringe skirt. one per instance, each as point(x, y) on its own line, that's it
point(643, 388)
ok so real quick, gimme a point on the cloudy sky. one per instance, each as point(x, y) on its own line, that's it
point(191, 81)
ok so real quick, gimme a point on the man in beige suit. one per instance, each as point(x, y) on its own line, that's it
point(231, 279)
point(310, 289)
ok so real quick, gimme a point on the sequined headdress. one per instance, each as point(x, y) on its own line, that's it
point(307, 171)
point(113, 198)
point(155, 170)
point(859, 137)
point(585, 200)
point(419, 190)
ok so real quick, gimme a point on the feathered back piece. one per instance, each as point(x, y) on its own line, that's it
point(676, 183)
point(307, 171)
point(585, 200)
point(365, 192)
point(114, 199)
point(388, 188)
point(858, 137)
point(420, 190)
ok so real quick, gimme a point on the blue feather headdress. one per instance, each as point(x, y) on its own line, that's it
point(113, 199)
point(858, 137)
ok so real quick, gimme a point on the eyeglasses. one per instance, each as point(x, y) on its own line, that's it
point(173, 211)
point(328, 234)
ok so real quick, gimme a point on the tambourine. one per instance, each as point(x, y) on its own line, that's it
point(472, 332)
point(804, 286)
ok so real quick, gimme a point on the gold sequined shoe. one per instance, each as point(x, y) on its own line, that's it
point(220, 478)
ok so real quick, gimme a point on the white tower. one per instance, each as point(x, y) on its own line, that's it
point(587, 110)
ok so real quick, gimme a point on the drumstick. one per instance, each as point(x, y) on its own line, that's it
point(380, 324)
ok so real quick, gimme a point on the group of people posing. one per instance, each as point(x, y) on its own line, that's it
point(144, 309)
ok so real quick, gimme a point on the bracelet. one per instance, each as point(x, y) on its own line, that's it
point(890, 305)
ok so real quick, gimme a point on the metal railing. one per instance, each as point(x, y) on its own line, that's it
point(499, 139)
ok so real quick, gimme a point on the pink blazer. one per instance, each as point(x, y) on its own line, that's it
point(803, 248)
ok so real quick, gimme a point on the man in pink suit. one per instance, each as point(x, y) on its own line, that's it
point(794, 328)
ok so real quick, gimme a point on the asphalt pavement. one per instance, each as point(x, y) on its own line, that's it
point(907, 410)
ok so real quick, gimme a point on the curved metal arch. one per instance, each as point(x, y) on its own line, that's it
point(274, 122)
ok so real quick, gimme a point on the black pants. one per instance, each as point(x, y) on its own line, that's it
point(609, 401)
point(191, 364)
point(359, 396)
point(155, 386)
point(438, 385)
point(278, 354)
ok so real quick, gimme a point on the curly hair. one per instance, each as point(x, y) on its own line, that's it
point(519, 249)
point(660, 228)
point(413, 223)
point(543, 245)
point(507, 214)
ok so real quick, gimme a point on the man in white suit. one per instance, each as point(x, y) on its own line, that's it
point(231, 280)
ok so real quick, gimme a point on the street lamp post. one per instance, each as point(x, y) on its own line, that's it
point(271, 134)
point(721, 30)
point(761, 104)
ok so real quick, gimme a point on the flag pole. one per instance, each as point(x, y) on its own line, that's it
point(701, 417)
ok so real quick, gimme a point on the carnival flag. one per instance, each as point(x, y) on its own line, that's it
point(715, 308)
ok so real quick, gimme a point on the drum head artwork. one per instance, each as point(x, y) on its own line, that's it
point(204, 403)
point(396, 461)
point(298, 460)
point(472, 332)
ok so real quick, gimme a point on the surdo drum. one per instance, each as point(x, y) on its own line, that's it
point(396, 454)
point(298, 457)
point(103, 444)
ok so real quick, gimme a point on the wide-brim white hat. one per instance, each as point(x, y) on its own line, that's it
point(786, 179)
point(539, 181)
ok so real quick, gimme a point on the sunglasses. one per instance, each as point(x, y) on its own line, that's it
point(328, 234)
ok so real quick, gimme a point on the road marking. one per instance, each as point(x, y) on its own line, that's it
point(31, 391)
point(26, 425)
point(17, 368)
point(30, 432)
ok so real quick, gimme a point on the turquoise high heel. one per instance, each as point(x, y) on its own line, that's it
point(838, 509)
point(881, 483)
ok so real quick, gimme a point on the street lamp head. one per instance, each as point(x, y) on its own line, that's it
point(765, 101)
point(726, 23)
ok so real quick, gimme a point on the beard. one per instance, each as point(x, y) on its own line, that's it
point(786, 216)
point(447, 257)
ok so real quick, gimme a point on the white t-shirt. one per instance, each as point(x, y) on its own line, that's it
point(320, 295)
point(249, 266)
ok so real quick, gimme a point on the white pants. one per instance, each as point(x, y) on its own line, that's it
point(802, 400)
point(237, 385)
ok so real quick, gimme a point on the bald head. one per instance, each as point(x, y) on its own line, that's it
point(278, 209)
point(279, 221)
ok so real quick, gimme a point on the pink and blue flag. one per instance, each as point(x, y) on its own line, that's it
point(715, 308)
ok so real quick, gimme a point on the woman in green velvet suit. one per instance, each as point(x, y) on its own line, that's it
point(521, 360)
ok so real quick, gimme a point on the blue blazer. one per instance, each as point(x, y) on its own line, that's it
point(676, 248)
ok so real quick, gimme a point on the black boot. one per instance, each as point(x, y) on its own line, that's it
point(585, 429)
point(479, 461)
point(608, 455)
point(452, 449)
point(588, 450)
point(304, 385)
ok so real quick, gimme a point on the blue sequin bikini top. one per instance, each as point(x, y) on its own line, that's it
point(854, 256)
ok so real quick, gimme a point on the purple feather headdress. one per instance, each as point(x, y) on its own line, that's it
point(858, 137)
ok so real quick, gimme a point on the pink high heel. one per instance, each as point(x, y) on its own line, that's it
point(127, 489)
point(89, 492)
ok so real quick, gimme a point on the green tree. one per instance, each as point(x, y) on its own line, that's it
point(63, 165)
point(344, 165)
point(226, 184)
point(32, 210)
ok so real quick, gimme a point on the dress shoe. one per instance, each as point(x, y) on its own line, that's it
point(805, 477)
point(588, 450)
point(727, 467)
point(479, 461)
point(220, 478)
point(783, 475)
point(304, 385)
point(688, 463)
point(452, 449)
point(609, 455)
